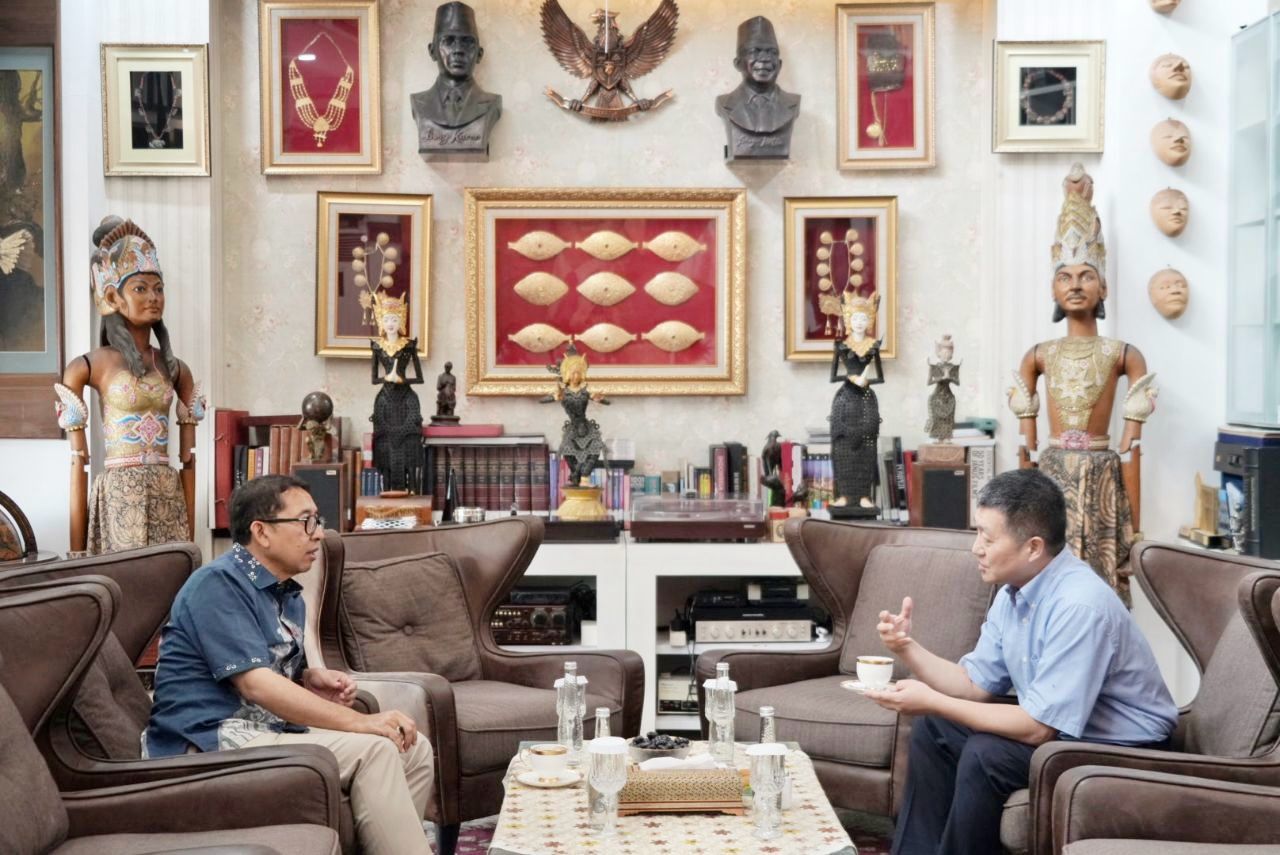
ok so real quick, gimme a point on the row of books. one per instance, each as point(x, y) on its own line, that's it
point(271, 450)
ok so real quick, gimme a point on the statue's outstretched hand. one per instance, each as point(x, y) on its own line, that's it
point(895, 630)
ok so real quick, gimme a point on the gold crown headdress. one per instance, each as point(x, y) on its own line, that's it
point(125, 252)
point(852, 303)
point(1079, 235)
point(570, 361)
point(384, 305)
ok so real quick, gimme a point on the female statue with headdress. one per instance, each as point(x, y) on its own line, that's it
point(580, 442)
point(139, 499)
point(1082, 371)
point(855, 412)
point(397, 415)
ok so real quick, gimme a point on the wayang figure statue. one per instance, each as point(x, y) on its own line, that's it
point(580, 442)
point(758, 116)
point(855, 412)
point(455, 114)
point(446, 397)
point(397, 415)
point(317, 409)
point(1082, 371)
point(139, 499)
point(943, 374)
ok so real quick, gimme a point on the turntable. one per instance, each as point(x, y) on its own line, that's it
point(730, 518)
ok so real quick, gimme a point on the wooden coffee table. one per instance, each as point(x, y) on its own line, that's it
point(536, 821)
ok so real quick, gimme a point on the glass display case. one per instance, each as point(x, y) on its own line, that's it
point(1253, 319)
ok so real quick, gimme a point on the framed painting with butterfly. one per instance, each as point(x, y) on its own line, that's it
point(649, 284)
point(837, 248)
point(155, 110)
point(319, 74)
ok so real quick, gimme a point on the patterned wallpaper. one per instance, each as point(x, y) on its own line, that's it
point(268, 267)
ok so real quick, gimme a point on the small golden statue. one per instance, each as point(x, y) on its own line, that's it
point(580, 442)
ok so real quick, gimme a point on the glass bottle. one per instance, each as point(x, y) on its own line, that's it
point(570, 706)
point(720, 712)
point(602, 722)
point(768, 729)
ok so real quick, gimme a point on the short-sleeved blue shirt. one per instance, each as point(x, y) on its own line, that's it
point(1072, 652)
point(231, 616)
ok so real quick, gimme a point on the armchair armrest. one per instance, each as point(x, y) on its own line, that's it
point(1054, 759)
point(272, 793)
point(615, 673)
point(758, 669)
point(365, 702)
point(1160, 806)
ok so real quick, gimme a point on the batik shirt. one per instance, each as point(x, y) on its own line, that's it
point(231, 616)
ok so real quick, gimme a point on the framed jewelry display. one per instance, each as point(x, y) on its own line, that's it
point(155, 110)
point(1048, 97)
point(369, 246)
point(649, 284)
point(320, 86)
point(884, 85)
point(836, 247)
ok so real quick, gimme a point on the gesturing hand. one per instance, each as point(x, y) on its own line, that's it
point(331, 685)
point(895, 630)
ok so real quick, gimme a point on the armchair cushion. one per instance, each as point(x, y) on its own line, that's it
point(27, 789)
point(1164, 847)
point(408, 614)
point(284, 839)
point(1235, 711)
point(111, 708)
point(494, 717)
point(945, 578)
point(831, 723)
point(1015, 821)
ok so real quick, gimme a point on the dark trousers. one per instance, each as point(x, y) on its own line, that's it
point(957, 783)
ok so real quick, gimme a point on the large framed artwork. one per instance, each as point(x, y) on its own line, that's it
point(370, 246)
point(321, 96)
point(884, 85)
point(30, 314)
point(155, 110)
point(649, 284)
point(837, 248)
point(1048, 97)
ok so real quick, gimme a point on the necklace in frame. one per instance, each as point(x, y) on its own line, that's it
point(156, 140)
point(320, 126)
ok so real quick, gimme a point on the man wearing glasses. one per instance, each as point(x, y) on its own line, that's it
point(232, 672)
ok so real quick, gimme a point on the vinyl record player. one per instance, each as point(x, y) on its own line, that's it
point(731, 518)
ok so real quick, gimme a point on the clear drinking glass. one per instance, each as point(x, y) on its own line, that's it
point(768, 775)
point(607, 775)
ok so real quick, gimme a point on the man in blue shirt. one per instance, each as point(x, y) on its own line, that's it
point(232, 672)
point(1057, 635)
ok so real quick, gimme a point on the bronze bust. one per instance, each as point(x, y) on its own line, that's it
point(455, 114)
point(758, 116)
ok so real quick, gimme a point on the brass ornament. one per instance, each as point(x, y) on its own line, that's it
point(539, 338)
point(606, 245)
point(673, 336)
point(609, 62)
point(320, 126)
point(539, 245)
point(605, 338)
point(605, 289)
point(829, 298)
point(674, 246)
point(541, 288)
point(670, 288)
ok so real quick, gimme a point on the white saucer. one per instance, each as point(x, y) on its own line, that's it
point(567, 778)
point(859, 687)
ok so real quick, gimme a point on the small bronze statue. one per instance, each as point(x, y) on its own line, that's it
point(580, 442)
point(943, 374)
point(397, 415)
point(855, 412)
point(446, 397)
point(455, 114)
point(609, 62)
point(758, 116)
point(317, 409)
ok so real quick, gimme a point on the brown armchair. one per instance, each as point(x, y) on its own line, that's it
point(859, 750)
point(407, 613)
point(94, 739)
point(1223, 609)
point(235, 809)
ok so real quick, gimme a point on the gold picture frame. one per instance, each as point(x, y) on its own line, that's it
point(885, 115)
point(321, 88)
point(650, 284)
point(860, 237)
point(155, 109)
point(1069, 77)
point(350, 221)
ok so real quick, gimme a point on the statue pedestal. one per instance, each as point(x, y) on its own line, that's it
point(852, 512)
point(582, 503)
point(941, 453)
point(445, 420)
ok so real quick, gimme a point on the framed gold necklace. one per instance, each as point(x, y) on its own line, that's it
point(320, 126)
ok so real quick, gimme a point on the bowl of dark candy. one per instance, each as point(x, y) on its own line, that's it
point(653, 744)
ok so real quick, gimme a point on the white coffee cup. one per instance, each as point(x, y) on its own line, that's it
point(875, 672)
point(548, 759)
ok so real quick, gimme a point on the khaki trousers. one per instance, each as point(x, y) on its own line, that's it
point(388, 789)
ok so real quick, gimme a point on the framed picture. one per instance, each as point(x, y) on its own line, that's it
point(321, 100)
point(1048, 96)
point(836, 248)
point(885, 85)
point(649, 284)
point(369, 246)
point(155, 110)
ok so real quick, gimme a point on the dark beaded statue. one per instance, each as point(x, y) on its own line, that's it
point(855, 412)
point(397, 415)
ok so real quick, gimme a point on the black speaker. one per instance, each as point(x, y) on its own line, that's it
point(330, 489)
point(940, 495)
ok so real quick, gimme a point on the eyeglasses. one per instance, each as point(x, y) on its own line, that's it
point(309, 523)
